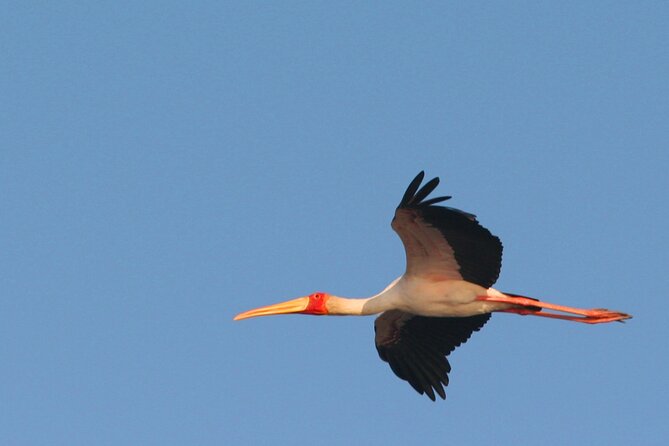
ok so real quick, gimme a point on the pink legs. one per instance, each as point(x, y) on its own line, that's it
point(593, 316)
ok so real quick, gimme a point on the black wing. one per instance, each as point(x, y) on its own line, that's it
point(416, 347)
point(443, 242)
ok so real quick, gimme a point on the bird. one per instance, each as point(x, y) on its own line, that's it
point(444, 295)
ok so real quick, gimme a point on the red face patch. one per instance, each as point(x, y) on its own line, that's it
point(317, 303)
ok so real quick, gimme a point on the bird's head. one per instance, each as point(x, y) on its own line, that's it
point(315, 303)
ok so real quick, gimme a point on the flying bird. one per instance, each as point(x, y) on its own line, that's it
point(444, 295)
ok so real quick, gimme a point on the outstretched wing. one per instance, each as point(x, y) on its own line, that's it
point(442, 242)
point(416, 347)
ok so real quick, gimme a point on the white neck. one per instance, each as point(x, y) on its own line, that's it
point(385, 300)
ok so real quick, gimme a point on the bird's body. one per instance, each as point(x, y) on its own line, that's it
point(444, 295)
point(422, 297)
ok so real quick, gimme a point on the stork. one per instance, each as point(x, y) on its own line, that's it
point(444, 295)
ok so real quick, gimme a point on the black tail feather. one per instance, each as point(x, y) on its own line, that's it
point(527, 307)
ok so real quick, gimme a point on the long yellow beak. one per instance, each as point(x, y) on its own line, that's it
point(290, 306)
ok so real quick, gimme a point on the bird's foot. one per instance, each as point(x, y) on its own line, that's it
point(602, 315)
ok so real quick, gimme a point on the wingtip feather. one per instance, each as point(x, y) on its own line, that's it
point(413, 187)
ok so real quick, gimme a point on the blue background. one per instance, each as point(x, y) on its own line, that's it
point(166, 165)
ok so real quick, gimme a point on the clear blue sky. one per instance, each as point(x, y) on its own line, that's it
point(166, 165)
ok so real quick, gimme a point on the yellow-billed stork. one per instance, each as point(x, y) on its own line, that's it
point(444, 295)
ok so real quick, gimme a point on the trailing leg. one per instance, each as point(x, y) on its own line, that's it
point(529, 306)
